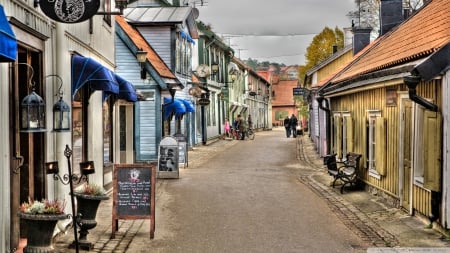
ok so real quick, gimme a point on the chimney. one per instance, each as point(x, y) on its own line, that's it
point(335, 48)
point(391, 12)
point(361, 38)
point(348, 36)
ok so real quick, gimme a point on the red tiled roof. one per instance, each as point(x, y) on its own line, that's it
point(419, 36)
point(141, 43)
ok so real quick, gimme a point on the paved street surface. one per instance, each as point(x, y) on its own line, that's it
point(266, 195)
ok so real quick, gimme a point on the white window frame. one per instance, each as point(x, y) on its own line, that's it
point(342, 114)
point(419, 136)
point(371, 116)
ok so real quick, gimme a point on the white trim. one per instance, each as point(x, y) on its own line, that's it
point(445, 149)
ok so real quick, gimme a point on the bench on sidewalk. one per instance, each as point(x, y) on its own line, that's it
point(347, 173)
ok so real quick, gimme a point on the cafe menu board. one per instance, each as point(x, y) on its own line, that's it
point(134, 193)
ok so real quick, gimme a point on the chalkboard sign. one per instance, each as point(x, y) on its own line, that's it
point(182, 147)
point(182, 151)
point(134, 193)
point(168, 158)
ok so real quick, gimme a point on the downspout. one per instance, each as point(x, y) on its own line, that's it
point(411, 82)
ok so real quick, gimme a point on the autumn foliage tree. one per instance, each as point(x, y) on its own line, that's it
point(321, 48)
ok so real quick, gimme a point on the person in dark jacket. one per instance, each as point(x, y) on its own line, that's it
point(293, 122)
point(287, 126)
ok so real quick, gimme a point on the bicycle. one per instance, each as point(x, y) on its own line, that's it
point(250, 133)
point(235, 134)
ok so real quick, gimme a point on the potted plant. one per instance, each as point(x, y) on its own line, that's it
point(40, 218)
point(88, 198)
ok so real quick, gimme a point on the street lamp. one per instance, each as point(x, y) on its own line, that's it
point(141, 56)
point(214, 68)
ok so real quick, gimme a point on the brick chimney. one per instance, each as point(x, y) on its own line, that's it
point(361, 38)
point(391, 12)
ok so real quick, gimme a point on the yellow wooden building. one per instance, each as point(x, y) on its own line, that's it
point(390, 104)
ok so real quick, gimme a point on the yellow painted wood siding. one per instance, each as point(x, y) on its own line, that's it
point(421, 200)
point(357, 104)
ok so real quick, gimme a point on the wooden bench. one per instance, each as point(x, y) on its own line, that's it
point(347, 173)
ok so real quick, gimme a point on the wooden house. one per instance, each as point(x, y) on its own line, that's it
point(390, 104)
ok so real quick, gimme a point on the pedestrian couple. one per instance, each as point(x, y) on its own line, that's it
point(290, 124)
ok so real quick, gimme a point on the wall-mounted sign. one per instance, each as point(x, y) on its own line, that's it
point(298, 91)
point(203, 101)
point(69, 11)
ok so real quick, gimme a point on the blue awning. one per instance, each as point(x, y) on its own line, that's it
point(188, 104)
point(173, 108)
point(86, 70)
point(126, 90)
point(8, 42)
point(187, 37)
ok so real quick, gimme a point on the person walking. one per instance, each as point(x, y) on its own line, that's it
point(293, 122)
point(241, 126)
point(287, 126)
point(250, 121)
point(227, 128)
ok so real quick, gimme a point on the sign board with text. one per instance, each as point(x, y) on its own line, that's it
point(134, 194)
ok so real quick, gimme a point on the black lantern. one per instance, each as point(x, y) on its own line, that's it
point(61, 116)
point(61, 111)
point(32, 110)
point(141, 56)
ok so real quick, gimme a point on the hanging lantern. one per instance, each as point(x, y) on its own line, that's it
point(61, 116)
point(32, 113)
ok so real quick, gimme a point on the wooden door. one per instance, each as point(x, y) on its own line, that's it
point(407, 153)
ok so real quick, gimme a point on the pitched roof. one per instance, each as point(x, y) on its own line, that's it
point(417, 37)
point(155, 60)
point(143, 15)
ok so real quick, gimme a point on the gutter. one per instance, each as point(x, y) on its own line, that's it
point(411, 82)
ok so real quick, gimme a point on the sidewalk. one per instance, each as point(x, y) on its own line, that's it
point(383, 226)
point(368, 215)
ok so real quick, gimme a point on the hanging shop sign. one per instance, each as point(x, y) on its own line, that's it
point(69, 11)
point(203, 101)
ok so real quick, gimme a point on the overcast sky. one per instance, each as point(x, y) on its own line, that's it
point(276, 30)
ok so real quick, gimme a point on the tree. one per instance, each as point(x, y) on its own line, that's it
point(321, 48)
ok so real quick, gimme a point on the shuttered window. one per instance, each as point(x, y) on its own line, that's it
point(338, 133)
point(348, 126)
point(380, 146)
point(432, 150)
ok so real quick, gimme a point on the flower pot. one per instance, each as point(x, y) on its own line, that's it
point(87, 206)
point(39, 231)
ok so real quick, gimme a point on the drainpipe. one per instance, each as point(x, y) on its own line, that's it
point(411, 82)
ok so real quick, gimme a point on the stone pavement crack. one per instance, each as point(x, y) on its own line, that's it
point(354, 219)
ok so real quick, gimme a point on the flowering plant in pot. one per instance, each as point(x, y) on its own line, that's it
point(40, 218)
point(88, 198)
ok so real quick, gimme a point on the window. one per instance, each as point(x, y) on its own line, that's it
point(183, 54)
point(107, 132)
point(343, 134)
point(376, 144)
